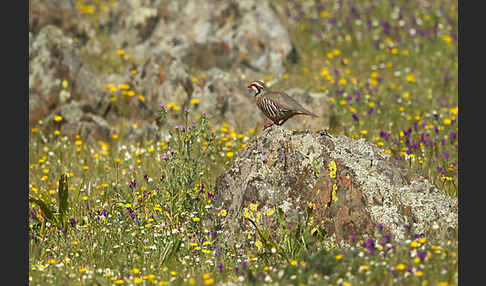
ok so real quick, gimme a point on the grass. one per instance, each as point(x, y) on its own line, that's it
point(140, 213)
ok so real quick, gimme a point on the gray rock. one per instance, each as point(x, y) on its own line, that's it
point(53, 58)
point(290, 170)
point(204, 34)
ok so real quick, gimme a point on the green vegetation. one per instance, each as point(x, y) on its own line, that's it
point(141, 213)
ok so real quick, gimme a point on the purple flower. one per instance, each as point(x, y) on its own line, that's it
point(145, 177)
point(162, 106)
point(384, 135)
point(186, 109)
point(104, 212)
point(220, 267)
point(446, 155)
point(421, 255)
point(370, 244)
point(379, 227)
point(213, 234)
point(355, 117)
point(86, 205)
point(73, 222)
point(387, 238)
point(371, 111)
point(244, 265)
point(203, 113)
point(440, 170)
point(164, 156)
point(407, 227)
point(133, 183)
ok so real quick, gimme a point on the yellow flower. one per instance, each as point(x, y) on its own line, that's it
point(447, 39)
point(65, 83)
point(343, 102)
point(332, 169)
point(334, 192)
point(422, 240)
point(194, 101)
point(206, 276)
point(293, 262)
point(414, 244)
point(141, 97)
point(406, 95)
point(253, 207)
point(324, 14)
point(342, 81)
point(74, 242)
point(222, 213)
point(324, 72)
point(57, 118)
point(405, 53)
point(192, 281)
point(258, 244)
point(363, 132)
point(270, 212)
point(121, 52)
point(400, 266)
point(119, 282)
point(410, 78)
point(447, 121)
point(419, 273)
point(208, 282)
point(339, 257)
point(196, 219)
point(230, 154)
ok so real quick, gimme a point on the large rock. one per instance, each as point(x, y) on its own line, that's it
point(203, 34)
point(53, 58)
point(222, 95)
point(291, 171)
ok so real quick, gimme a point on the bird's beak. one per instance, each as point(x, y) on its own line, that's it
point(250, 86)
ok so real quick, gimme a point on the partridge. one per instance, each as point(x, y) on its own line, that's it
point(276, 105)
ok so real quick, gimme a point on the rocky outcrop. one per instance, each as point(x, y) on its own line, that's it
point(205, 34)
point(351, 185)
point(54, 59)
point(222, 95)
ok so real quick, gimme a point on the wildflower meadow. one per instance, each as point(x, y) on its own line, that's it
point(117, 212)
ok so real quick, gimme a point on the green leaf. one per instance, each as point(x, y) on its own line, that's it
point(63, 195)
point(44, 208)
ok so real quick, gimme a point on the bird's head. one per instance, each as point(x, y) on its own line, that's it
point(258, 87)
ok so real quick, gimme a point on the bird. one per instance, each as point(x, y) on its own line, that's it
point(276, 105)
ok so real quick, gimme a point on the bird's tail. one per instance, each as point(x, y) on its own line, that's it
point(308, 113)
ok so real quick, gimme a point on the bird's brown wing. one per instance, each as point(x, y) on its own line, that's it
point(288, 103)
